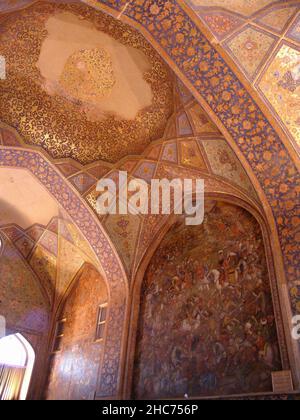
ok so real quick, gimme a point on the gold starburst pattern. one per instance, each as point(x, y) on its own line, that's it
point(88, 75)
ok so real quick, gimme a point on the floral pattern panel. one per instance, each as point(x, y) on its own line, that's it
point(281, 86)
point(206, 323)
point(22, 302)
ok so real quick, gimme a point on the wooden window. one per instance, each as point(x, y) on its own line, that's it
point(60, 327)
point(101, 321)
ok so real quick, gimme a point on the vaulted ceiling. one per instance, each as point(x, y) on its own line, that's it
point(263, 40)
point(82, 84)
point(37, 235)
point(94, 94)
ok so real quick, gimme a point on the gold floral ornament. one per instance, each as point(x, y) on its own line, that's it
point(88, 75)
point(61, 112)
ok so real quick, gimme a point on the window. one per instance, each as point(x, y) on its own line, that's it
point(60, 327)
point(1, 245)
point(101, 321)
point(16, 364)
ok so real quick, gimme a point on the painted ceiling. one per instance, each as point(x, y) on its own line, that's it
point(246, 8)
point(263, 39)
point(39, 238)
point(23, 200)
point(53, 252)
point(187, 141)
point(191, 146)
point(70, 72)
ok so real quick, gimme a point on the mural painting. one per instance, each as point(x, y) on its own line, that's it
point(206, 323)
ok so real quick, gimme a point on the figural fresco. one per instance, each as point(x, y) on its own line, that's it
point(206, 321)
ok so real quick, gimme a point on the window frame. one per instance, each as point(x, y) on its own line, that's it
point(101, 307)
point(57, 336)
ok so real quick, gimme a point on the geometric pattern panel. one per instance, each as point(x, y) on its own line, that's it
point(124, 230)
point(201, 123)
point(278, 19)
point(250, 49)
point(190, 155)
point(82, 182)
point(170, 153)
point(50, 242)
point(280, 85)
point(146, 171)
point(68, 168)
point(184, 94)
point(225, 163)
point(184, 126)
point(294, 32)
point(25, 245)
point(72, 261)
point(222, 24)
point(45, 265)
point(35, 232)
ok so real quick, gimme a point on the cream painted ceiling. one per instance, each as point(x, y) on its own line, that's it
point(23, 200)
point(116, 72)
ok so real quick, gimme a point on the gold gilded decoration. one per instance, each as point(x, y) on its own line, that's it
point(243, 7)
point(281, 86)
point(64, 125)
point(88, 75)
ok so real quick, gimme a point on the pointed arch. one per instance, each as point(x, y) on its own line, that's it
point(90, 227)
point(17, 359)
point(283, 339)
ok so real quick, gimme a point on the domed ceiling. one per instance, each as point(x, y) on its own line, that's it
point(82, 84)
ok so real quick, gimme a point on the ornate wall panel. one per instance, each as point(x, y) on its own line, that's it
point(75, 368)
point(24, 304)
point(280, 85)
point(22, 301)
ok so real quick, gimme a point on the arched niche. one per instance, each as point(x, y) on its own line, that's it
point(78, 338)
point(217, 278)
point(24, 307)
point(17, 359)
point(91, 229)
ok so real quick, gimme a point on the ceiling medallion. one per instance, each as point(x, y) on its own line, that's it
point(88, 75)
point(82, 84)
